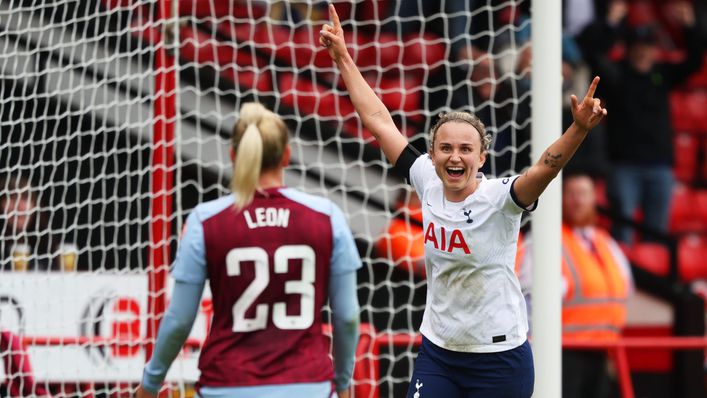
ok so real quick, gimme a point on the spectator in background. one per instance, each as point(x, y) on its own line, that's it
point(596, 283)
point(18, 371)
point(403, 242)
point(640, 135)
point(26, 242)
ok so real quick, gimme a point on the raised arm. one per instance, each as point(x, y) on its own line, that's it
point(369, 107)
point(586, 114)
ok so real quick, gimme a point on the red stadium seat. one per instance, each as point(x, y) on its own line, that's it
point(688, 111)
point(310, 98)
point(700, 206)
point(301, 47)
point(686, 149)
point(371, 10)
point(698, 107)
point(699, 79)
point(681, 211)
point(703, 167)
point(688, 210)
point(653, 257)
point(692, 257)
point(402, 94)
point(236, 9)
point(680, 116)
point(239, 66)
point(396, 93)
point(424, 51)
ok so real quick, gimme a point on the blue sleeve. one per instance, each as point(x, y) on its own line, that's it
point(345, 321)
point(174, 330)
point(344, 256)
point(190, 263)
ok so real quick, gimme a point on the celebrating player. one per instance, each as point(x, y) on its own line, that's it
point(272, 255)
point(475, 324)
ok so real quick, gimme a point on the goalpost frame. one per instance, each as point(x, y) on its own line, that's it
point(546, 104)
point(161, 184)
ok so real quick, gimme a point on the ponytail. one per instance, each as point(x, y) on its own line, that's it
point(246, 168)
point(259, 140)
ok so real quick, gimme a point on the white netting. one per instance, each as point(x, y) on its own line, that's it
point(78, 120)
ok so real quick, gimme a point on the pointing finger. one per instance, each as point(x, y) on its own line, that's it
point(334, 17)
point(592, 87)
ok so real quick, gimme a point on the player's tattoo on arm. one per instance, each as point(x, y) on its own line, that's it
point(379, 113)
point(553, 161)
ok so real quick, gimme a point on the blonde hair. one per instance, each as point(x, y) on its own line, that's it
point(463, 117)
point(259, 141)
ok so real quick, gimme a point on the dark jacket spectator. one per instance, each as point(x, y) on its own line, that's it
point(636, 88)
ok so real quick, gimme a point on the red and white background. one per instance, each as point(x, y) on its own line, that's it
point(95, 311)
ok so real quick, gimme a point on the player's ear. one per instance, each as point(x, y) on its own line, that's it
point(482, 158)
point(286, 153)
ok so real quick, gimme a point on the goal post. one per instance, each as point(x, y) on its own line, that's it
point(547, 126)
point(116, 117)
point(162, 177)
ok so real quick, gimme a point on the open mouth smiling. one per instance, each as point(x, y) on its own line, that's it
point(455, 171)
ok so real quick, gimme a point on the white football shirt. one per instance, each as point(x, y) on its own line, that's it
point(474, 301)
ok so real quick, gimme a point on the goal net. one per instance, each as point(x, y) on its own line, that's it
point(115, 120)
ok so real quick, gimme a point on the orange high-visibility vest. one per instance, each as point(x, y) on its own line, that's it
point(404, 242)
point(595, 304)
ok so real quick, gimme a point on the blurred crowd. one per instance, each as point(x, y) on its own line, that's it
point(645, 52)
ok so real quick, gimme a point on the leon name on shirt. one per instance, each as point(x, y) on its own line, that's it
point(267, 217)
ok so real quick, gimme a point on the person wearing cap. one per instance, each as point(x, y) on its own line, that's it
point(640, 135)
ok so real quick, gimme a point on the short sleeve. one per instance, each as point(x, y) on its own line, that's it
point(501, 194)
point(421, 172)
point(190, 263)
point(344, 256)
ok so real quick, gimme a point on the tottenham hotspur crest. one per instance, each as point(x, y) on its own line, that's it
point(418, 385)
point(468, 216)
